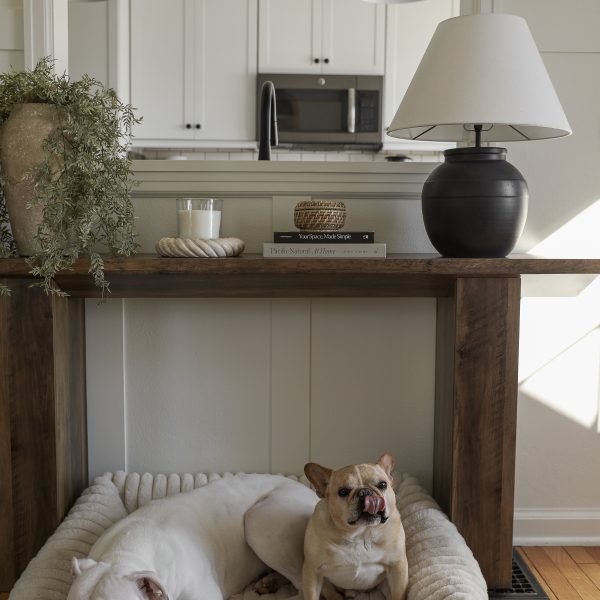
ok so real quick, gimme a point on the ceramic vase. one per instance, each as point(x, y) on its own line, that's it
point(475, 204)
point(21, 149)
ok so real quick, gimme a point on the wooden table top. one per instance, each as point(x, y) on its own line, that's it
point(251, 275)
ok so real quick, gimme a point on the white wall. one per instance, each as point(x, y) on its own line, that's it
point(11, 35)
point(267, 385)
point(558, 438)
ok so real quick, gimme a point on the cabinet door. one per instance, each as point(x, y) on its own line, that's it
point(353, 37)
point(225, 73)
point(410, 27)
point(161, 71)
point(289, 34)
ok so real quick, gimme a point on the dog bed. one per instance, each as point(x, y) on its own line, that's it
point(441, 566)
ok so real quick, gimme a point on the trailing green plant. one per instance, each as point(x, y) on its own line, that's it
point(83, 183)
point(7, 243)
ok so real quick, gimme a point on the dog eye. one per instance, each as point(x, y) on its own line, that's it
point(382, 485)
point(343, 491)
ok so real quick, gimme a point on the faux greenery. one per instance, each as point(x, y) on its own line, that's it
point(86, 199)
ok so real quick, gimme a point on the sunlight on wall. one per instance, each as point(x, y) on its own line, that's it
point(569, 383)
point(579, 238)
point(549, 326)
point(559, 363)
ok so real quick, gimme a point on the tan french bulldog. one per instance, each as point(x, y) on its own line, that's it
point(355, 539)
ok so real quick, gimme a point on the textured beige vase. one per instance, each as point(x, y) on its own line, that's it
point(21, 140)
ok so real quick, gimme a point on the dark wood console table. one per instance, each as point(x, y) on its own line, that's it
point(43, 453)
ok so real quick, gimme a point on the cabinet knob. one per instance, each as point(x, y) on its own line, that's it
point(188, 125)
point(317, 61)
point(326, 61)
point(198, 126)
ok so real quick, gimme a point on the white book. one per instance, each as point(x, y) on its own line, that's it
point(282, 250)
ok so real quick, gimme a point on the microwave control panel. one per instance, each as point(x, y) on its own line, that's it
point(367, 113)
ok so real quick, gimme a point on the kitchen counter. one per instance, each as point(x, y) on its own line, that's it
point(229, 178)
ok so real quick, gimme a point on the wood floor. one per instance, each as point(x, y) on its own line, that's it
point(568, 573)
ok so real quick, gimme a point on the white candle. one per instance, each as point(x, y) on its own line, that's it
point(199, 223)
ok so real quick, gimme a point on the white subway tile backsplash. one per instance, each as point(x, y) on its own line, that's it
point(337, 156)
point(314, 156)
point(287, 156)
point(361, 157)
point(379, 157)
point(249, 155)
point(280, 154)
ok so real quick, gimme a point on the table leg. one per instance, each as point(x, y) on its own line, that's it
point(475, 416)
point(43, 450)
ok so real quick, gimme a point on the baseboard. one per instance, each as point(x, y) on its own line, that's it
point(557, 527)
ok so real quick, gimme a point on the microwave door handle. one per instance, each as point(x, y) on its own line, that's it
point(351, 110)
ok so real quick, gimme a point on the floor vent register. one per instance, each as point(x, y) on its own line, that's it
point(524, 584)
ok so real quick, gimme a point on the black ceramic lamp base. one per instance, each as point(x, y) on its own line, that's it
point(475, 204)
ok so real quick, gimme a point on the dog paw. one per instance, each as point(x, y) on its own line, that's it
point(270, 583)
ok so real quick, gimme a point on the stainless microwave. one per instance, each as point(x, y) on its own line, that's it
point(327, 110)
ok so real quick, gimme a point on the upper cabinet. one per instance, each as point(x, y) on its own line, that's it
point(193, 69)
point(409, 29)
point(321, 36)
point(189, 66)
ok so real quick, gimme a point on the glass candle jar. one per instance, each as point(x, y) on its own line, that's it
point(198, 218)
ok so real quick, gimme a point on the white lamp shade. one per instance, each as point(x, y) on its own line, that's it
point(481, 69)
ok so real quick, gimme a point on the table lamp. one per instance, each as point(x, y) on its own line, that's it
point(481, 79)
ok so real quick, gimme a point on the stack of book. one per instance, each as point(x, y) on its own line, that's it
point(324, 244)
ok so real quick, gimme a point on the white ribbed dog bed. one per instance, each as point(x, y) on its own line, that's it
point(441, 566)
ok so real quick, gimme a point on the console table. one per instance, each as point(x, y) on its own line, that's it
point(43, 452)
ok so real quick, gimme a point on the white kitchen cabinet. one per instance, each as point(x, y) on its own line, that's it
point(193, 69)
point(321, 36)
point(409, 28)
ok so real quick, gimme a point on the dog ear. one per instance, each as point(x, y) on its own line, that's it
point(147, 582)
point(79, 565)
point(318, 476)
point(386, 462)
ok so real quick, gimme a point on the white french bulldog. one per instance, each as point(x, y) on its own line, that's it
point(206, 544)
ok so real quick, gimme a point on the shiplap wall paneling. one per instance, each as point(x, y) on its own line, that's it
point(290, 384)
point(372, 382)
point(198, 375)
point(105, 383)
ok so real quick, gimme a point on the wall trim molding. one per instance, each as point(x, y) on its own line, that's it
point(45, 32)
point(557, 526)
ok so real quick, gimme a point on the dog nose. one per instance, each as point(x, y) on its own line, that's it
point(364, 492)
